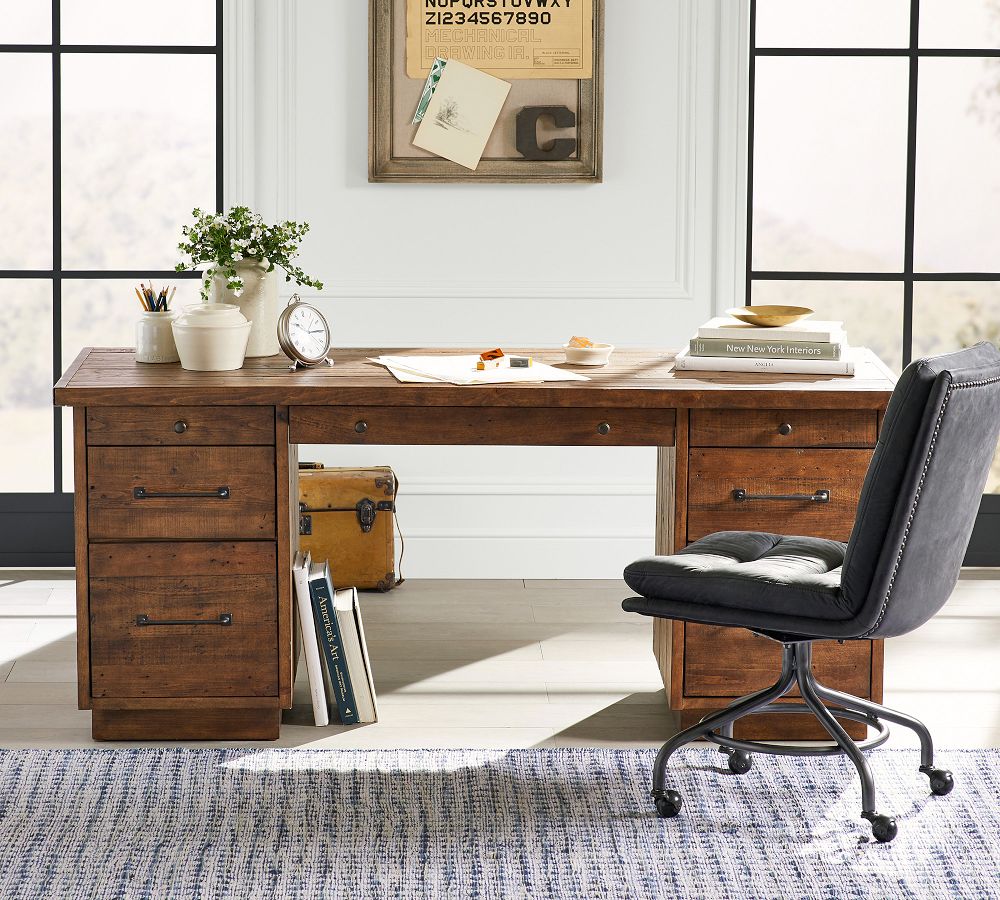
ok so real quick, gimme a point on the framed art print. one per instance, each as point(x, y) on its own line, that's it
point(550, 124)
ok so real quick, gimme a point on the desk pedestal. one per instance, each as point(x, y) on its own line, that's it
point(706, 667)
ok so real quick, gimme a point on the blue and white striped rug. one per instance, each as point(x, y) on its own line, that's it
point(168, 823)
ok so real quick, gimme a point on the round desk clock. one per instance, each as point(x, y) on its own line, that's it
point(304, 335)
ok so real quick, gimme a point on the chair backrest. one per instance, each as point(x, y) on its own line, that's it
point(923, 490)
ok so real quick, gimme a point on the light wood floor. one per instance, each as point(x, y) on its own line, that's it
point(504, 664)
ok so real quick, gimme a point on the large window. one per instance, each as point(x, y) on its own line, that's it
point(874, 181)
point(110, 133)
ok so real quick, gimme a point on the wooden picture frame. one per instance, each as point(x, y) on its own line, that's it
point(391, 157)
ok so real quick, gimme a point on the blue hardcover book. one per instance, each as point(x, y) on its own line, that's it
point(322, 594)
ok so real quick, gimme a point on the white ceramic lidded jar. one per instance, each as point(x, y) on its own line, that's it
point(154, 338)
point(211, 337)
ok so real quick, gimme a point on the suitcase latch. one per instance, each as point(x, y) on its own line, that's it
point(305, 521)
point(366, 514)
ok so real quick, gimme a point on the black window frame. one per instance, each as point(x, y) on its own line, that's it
point(984, 550)
point(36, 529)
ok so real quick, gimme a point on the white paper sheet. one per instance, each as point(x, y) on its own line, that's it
point(462, 370)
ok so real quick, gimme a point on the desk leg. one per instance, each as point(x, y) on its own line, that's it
point(287, 492)
point(671, 526)
point(666, 496)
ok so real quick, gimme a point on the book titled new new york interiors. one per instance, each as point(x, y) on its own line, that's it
point(779, 349)
point(685, 362)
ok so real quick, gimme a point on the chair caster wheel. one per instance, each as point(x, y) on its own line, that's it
point(668, 804)
point(883, 827)
point(941, 781)
point(740, 762)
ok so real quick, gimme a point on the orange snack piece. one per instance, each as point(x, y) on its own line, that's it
point(580, 342)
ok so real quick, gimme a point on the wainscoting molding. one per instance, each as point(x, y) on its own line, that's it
point(454, 487)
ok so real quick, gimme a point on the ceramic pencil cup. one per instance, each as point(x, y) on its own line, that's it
point(154, 338)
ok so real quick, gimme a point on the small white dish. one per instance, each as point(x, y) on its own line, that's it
point(598, 355)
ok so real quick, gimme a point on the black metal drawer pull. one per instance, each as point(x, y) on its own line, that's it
point(220, 493)
point(740, 495)
point(224, 619)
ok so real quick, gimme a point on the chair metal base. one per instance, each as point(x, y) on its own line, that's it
point(796, 669)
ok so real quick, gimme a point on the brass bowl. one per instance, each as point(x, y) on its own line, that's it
point(769, 316)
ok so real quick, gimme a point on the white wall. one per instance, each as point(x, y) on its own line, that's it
point(639, 260)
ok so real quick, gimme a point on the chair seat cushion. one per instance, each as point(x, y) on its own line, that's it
point(769, 582)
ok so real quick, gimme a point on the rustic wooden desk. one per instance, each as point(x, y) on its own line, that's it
point(186, 511)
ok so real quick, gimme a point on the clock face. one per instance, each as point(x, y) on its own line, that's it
point(308, 333)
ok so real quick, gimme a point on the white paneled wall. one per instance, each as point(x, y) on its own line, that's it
point(639, 260)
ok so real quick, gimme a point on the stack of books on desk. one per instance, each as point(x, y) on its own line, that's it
point(808, 347)
point(333, 639)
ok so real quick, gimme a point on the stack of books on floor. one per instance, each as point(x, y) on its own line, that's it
point(725, 344)
point(333, 638)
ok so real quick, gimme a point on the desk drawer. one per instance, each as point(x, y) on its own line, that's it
point(730, 662)
point(481, 425)
point(714, 474)
point(186, 582)
point(181, 493)
point(180, 425)
point(784, 428)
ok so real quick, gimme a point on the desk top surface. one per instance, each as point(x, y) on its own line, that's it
point(637, 378)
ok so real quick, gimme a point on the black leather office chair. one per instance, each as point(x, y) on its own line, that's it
point(915, 517)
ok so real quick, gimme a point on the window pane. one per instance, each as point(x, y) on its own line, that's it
point(26, 161)
point(872, 311)
point(129, 22)
point(843, 23)
point(26, 453)
point(957, 225)
point(829, 178)
point(971, 24)
point(103, 314)
point(948, 316)
point(25, 22)
point(138, 156)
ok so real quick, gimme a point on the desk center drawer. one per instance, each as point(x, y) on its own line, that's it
point(183, 620)
point(570, 427)
point(180, 492)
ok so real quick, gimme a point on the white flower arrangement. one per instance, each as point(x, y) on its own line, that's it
point(240, 236)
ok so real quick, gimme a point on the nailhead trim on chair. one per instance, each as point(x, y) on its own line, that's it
point(920, 486)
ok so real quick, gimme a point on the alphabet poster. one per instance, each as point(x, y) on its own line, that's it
point(506, 38)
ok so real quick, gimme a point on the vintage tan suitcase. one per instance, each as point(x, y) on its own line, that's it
point(347, 516)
